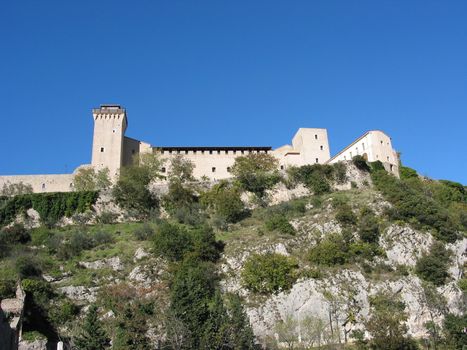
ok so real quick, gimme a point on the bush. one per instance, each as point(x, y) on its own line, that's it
point(269, 273)
point(360, 163)
point(433, 267)
point(172, 241)
point(316, 177)
point(281, 224)
point(368, 227)
point(107, 217)
point(345, 216)
point(332, 250)
point(28, 266)
point(14, 235)
point(256, 173)
point(225, 200)
point(102, 237)
point(144, 233)
point(407, 173)
point(454, 330)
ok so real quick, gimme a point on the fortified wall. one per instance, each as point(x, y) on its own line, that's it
point(112, 149)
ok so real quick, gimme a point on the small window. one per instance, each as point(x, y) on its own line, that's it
point(228, 169)
point(213, 169)
point(202, 152)
point(381, 142)
point(388, 158)
point(113, 131)
point(218, 152)
point(391, 167)
point(282, 167)
point(316, 160)
point(71, 185)
point(363, 146)
point(186, 151)
point(102, 149)
point(350, 154)
point(43, 186)
point(210, 152)
point(321, 148)
point(316, 137)
point(132, 151)
point(163, 170)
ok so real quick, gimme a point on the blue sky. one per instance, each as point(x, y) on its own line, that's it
point(233, 73)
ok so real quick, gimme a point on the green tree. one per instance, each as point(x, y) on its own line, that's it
point(256, 173)
point(241, 333)
point(224, 199)
point(454, 330)
point(386, 324)
point(131, 330)
point(433, 266)
point(92, 336)
point(269, 273)
point(88, 179)
point(216, 330)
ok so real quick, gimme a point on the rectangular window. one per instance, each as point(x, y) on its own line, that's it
point(102, 149)
point(210, 152)
point(228, 169)
point(321, 148)
point(363, 146)
point(316, 137)
point(213, 169)
point(316, 160)
point(162, 170)
point(282, 167)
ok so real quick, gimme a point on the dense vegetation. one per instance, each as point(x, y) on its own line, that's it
point(184, 306)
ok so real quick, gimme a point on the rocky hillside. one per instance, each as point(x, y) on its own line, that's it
point(317, 256)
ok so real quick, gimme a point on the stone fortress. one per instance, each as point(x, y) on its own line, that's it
point(112, 149)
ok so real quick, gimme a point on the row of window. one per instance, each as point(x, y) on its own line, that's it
point(210, 152)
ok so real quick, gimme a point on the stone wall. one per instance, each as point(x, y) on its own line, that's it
point(41, 183)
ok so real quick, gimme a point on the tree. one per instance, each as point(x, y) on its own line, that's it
point(88, 179)
point(436, 305)
point(132, 192)
point(287, 331)
point(256, 173)
point(216, 330)
point(386, 325)
point(314, 330)
point(92, 335)
point(241, 333)
point(454, 330)
point(433, 266)
point(224, 199)
point(131, 330)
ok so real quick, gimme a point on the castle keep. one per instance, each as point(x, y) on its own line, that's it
point(112, 149)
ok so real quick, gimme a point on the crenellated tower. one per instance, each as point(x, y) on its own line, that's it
point(110, 123)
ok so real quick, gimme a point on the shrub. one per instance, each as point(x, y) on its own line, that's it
point(107, 217)
point(172, 241)
point(102, 237)
point(144, 233)
point(131, 192)
point(269, 273)
point(279, 223)
point(14, 235)
point(345, 216)
point(256, 173)
point(225, 200)
point(407, 173)
point(360, 163)
point(7, 288)
point(433, 267)
point(332, 250)
point(28, 266)
point(368, 226)
point(316, 177)
point(340, 172)
point(454, 330)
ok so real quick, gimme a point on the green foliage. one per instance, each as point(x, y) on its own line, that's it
point(256, 173)
point(224, 199)
point(88, 179)
point(31, 336)
point(407, 173)
point(332, 250)
point(386, 325)
point(131, 330)
point(144, 233)
point(462, 283)
point(131, 192)
point(360, 162)
point(191, 290)
point(269, 273)
point(279, 223)
point(38, 290)
point(344, 213)
point(7, 288)
point(414, 203)
point(316, 177)
point(92, 336)
point(64, 312)
point(368, 226)
point(27, 266)
point(454, 330)
point(15, 234)
point(173, 242)
point(433, 267)
point(50, 206)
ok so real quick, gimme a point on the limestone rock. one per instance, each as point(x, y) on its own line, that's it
point(112, 263)
point(80, 293)
point(38, 344)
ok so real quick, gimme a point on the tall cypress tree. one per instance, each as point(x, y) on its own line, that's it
point(92, 335)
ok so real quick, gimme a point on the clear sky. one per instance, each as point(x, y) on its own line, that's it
point(233, 73)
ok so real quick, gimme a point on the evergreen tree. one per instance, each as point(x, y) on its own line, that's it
point(92, 336)
point(215, 335)
point(241, 333)
point(131, 330)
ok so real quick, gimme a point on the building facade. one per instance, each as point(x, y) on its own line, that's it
point(113, 150)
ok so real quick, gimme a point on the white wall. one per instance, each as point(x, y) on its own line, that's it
point(42, 183)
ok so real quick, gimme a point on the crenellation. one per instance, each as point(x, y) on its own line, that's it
point(112, 149)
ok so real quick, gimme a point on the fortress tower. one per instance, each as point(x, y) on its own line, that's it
point(110, 123)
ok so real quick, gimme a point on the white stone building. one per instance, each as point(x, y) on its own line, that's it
point(112, 149)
